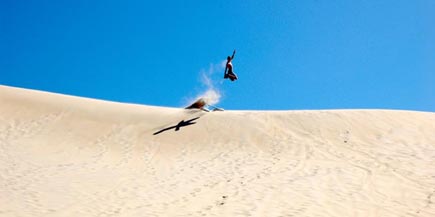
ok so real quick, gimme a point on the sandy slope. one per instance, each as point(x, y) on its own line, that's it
point(70, 156)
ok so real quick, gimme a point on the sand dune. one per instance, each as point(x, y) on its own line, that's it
point(69, 156)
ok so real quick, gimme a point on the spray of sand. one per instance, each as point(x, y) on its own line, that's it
point(209, 79)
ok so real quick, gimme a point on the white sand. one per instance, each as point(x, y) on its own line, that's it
point(70, 156)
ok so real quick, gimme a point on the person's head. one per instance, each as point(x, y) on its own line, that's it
point(228, 58)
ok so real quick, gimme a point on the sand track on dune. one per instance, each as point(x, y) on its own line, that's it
point(70, 156)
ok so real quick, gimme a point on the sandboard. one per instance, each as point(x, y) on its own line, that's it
point(201, 104)
point(198, 104)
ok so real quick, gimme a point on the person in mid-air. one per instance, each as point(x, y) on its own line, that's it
point(229, 66)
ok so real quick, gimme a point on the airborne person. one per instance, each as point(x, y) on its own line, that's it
point(229, 66)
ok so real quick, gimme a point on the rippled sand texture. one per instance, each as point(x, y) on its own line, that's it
point(70, 156)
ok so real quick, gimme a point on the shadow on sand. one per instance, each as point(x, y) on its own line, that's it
point(178, 126)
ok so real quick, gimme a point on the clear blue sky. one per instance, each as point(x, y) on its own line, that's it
point(300, 54)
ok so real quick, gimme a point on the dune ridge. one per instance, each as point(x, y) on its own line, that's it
point(71, 156)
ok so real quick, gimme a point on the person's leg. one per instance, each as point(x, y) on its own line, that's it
point(230, 73)
point(232, 76)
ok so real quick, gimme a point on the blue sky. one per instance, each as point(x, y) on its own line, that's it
point(306, 54)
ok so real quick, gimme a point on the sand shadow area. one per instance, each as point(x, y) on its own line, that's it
point(177, 127)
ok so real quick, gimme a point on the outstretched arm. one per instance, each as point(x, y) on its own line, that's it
point(234, 53)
